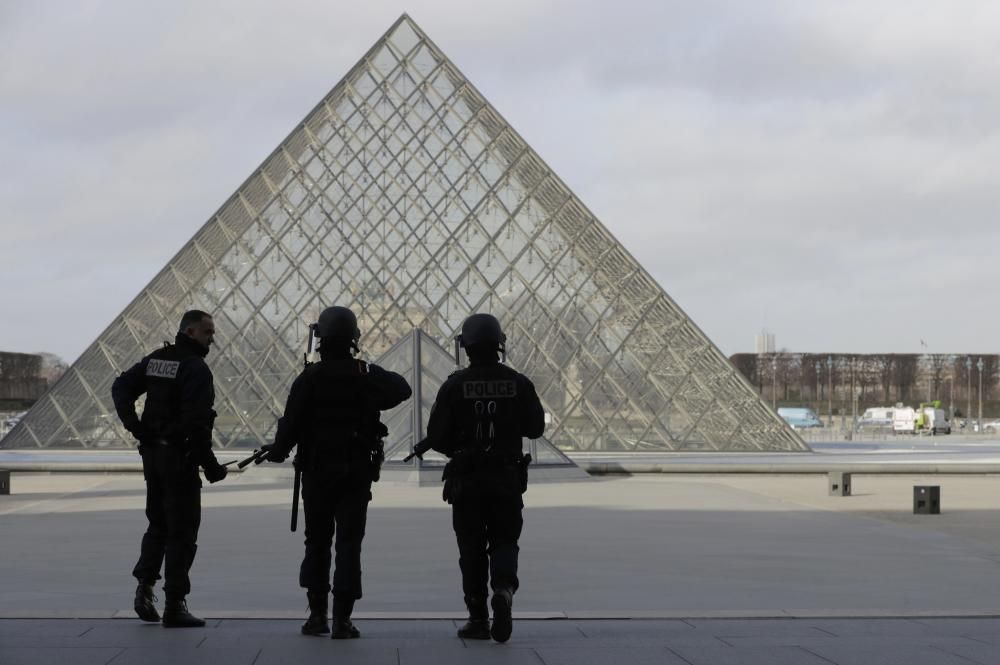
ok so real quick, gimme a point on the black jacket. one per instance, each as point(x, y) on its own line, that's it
point(179, 398)
point(332, 412)
point(486, 406)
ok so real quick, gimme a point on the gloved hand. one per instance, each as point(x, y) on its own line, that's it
point(274, 454)
point(215, 472)
point(137, 431)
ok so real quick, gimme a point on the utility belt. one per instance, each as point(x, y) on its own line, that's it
point(471, 469)
point(354, 458)
point(473, 459)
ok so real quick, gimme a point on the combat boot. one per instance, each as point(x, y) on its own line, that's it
point(343, 629)
point(316, 624)
point(503, 622)
point(144, 606)
point(176, 615)
point(478, 625)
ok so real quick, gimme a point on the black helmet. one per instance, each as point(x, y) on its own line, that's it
point(482, 330)
point(338, 323)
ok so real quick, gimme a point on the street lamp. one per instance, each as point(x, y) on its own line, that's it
point(817, 386)
point(829, 391)
point(968, 390)
point(854, 397)
point(774, 381)
point(979, 421)
point(951, 396)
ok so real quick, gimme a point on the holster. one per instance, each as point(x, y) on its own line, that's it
point(462, 465)
point(522, 472)
point(377, 458)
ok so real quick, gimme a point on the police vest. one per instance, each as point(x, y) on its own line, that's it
point(161, 412)
point(488, 409)
point(342, 419)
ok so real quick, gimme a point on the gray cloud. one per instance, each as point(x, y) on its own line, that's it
point(825, 169)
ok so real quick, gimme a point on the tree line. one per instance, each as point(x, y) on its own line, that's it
point(828, 380)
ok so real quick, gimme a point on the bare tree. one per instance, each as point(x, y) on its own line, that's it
point(905, 375)
point(748, 365)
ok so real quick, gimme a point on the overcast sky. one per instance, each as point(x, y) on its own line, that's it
point(829, 170)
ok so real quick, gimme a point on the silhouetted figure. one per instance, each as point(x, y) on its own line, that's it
point(175, 438)
point(332, 414)
point(478, 420)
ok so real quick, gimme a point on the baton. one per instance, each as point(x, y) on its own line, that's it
point(296, 487)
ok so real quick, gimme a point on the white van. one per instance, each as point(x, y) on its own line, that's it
point(907, 420)
point(876, 416)
point(904, 420)
point(936, 421)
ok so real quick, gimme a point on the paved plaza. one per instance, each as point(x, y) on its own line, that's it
point(658, 568)
point(820, 641)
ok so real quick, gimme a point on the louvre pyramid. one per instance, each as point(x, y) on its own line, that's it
point(406, 196)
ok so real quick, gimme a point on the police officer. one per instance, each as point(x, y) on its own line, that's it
point(478, 420)
point(332, 414)
point(175, 438)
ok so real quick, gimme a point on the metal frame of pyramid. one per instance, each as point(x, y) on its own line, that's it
point(426, 365)
point(406, 196)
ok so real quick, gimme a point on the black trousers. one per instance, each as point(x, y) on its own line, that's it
point(335, 505)
point(487, 520)
point(173, 508)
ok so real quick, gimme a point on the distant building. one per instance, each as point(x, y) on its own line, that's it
point(21, 379)
point(764, 342)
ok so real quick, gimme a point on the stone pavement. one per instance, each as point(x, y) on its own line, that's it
point(654, 568)
point(819, 641)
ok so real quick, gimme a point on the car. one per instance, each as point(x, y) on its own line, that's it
point(799, 418)
point(992, 426)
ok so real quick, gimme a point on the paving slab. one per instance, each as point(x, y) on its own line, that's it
point(976, 653)
point(583, 655)
point(727, 655)
point(56, 655)
point(889, 654)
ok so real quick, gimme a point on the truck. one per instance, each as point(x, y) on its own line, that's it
point(927, 418)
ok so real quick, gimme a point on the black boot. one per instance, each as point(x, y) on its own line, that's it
point(343, 629)
point(316, 624)
point(503, 622)
point(176, 615)
point(144, 606)
point(478, 625)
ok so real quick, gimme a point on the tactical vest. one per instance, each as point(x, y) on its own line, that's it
point(342, 420)
point(488, 410)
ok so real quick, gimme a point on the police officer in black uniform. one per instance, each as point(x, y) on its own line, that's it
point(332, 414)
point(478, 420)
point(175, 438)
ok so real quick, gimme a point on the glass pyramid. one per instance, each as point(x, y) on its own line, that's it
point(404, 195)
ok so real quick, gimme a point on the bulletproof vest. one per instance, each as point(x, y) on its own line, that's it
point(341, 412)
point(488, 409)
